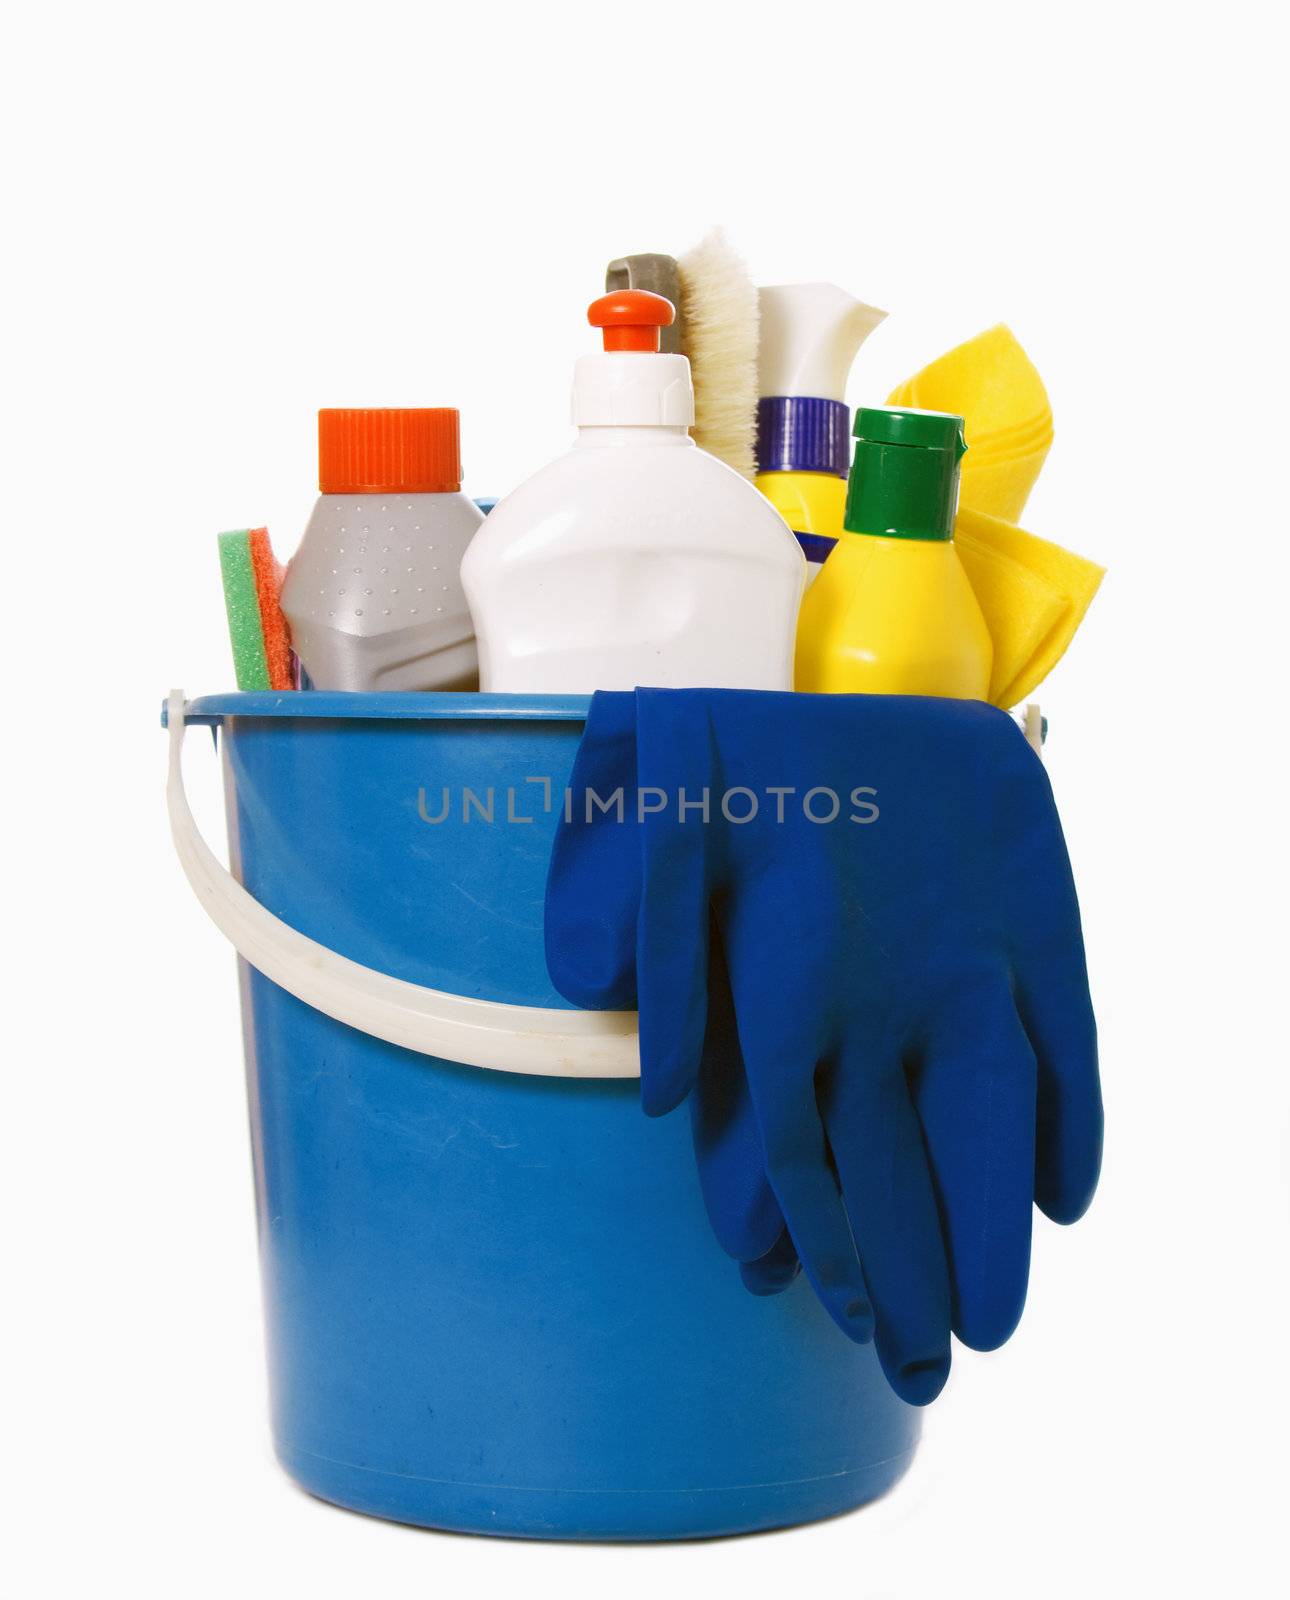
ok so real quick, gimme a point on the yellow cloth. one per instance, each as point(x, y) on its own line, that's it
point(993, 385)
point(1032, 593)
point(1005, 388)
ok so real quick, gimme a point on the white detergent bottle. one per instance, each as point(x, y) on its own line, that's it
point(636, 558)
point(373, 595)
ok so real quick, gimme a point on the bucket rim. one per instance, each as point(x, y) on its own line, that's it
point(425, 706)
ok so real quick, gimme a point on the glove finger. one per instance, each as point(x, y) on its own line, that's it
point(878, 1148)
point(741, 1205)
point(778, 1036)
point(799, 1170)
point(1038, 892)
point(1057, 1013)
point(593, 882)
point(974, 1090)
point(773, 1273)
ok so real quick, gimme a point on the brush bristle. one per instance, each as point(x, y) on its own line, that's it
point(719, 300)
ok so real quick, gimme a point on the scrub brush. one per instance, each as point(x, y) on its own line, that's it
point(256, 626)
point(719, 305)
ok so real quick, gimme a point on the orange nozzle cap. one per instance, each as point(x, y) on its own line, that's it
point(631, 318)
point(389, 452)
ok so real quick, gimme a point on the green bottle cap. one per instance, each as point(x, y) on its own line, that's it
point(904, 480)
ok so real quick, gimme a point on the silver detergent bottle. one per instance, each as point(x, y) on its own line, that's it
point(373, 595)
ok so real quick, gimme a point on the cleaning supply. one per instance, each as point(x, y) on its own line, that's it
point(656, 274)
point(257, 628)
point(720, 321)
point(810, 333)
point(716, 327)
point(1033, 596)
point(373, 595)
point(1032, 593)
point(892, 611)
point(635, 557)
point(914, 1063)
point(492, 1300)
point(592, 911)
point(1008, 423)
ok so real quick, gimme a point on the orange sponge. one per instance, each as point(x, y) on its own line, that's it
point(273, 625)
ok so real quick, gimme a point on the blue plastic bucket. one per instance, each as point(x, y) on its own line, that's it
point(493, 1301)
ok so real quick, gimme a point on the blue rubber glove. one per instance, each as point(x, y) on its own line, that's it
point(592, 907)
point(915, 1055)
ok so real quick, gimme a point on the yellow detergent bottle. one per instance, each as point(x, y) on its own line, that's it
point(809, 335)
point(892, 611)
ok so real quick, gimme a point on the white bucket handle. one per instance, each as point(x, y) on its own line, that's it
point(478, 1033)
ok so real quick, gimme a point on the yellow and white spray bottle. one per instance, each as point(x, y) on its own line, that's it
point(809, 336)
point(892, 611)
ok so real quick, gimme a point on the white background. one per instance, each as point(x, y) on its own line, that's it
point(223, 217)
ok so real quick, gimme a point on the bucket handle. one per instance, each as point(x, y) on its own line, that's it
point(478, 1033)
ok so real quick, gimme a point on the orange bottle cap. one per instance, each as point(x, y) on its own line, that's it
point(631, 318)
point(389, 452)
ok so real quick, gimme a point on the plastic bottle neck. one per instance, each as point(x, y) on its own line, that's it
point(596, 437)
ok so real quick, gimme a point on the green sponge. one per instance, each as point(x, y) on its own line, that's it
point(242, 602)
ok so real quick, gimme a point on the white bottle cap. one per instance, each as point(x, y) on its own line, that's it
point(810, 333)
